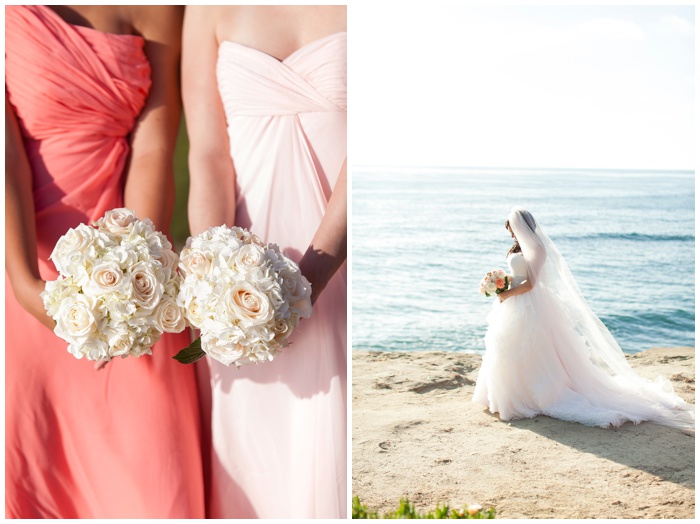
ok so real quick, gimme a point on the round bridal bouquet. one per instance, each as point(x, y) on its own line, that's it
point(495, 282)
point(246, 297)
point(117, 287)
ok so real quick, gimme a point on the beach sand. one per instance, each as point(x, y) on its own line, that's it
point(416, 433)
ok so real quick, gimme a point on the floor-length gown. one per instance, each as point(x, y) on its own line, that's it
point(538, 362)
point(79, 443)
point(279, 428)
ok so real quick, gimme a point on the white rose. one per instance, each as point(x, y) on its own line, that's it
point(243, 302)
point(295, 284)
point(76, 320)
point(282, 329)
point(249, 257)
point(120, 341)
point(119, 221)
point(193, 313)
point(71, 247)
point(169, 317)
point(147, 288)
point(223, 351)
point(490, 288)
point(195, 262)
point(107, 277)
point(298, 291)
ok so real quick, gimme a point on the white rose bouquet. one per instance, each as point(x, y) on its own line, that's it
point(495, 282)
point(245, 297)
point(117, 287)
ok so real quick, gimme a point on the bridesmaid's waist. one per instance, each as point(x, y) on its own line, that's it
point(77, 178)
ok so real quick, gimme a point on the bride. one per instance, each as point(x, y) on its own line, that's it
point(548, 353)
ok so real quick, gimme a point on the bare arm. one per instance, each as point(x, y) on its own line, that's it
point(212, 198)
point(328, 249)
point(525, 287)
point(150, 187)
point(20, 224)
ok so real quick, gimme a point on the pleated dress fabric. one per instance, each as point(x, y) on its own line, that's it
point(279, 428)
point(122, 442)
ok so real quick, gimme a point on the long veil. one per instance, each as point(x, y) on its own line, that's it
point(558, 298)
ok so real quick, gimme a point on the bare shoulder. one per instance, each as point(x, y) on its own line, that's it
point(279, 30)
point(160, 23)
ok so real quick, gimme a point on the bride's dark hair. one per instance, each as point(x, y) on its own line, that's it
point(515, 248)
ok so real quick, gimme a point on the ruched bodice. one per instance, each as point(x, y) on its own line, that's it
point(75, 121)
point(98, 64)
point(311, 79)
point(296, 108)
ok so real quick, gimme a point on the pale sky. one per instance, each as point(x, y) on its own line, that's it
point(522, 86)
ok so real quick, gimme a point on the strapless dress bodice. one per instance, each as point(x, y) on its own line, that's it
point(518, 269)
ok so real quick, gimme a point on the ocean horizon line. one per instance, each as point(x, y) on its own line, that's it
point(372, 169)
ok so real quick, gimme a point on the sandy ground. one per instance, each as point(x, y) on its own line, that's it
point(415, 432)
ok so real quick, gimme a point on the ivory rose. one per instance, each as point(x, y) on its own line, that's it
point(244, 303)
point(147, 288)
point(195, 261)
point(169, 316)
point(118, 221)
point(107, 277)
point(75, 320)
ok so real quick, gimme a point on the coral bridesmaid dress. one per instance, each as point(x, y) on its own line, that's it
point(279, 428)
point(79, 443)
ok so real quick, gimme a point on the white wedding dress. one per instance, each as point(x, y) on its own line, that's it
point(548, 353)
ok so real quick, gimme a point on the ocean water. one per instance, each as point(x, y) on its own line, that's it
point(423, 238)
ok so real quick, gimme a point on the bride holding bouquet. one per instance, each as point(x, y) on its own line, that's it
point(548, 353)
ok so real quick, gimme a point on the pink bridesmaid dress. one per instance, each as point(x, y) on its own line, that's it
point(123, 442)
point(279, 428)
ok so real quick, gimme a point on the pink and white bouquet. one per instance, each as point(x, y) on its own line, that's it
point(117, 287)
point(495, 282)
point(246, 297)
